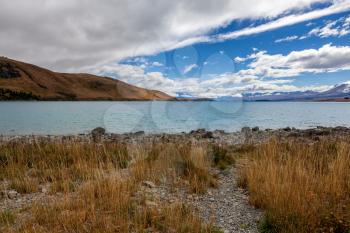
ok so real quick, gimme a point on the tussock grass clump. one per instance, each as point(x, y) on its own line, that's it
point(222, 156)
point(194, 167)
point(303, 187)
point(62, 186)
point(176, 163)
point(24, 185)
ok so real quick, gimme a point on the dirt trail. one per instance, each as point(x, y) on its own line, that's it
point(228, 206)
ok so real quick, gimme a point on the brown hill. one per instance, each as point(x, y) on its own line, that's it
point(22, 81)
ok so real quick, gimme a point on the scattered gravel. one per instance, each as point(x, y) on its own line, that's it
point(228, 206)
point(12, 200)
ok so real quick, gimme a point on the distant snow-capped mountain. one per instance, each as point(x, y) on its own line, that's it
point(337, 90)
point(279, 96)
point(341, 91)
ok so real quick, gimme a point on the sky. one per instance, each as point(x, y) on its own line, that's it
point(198, 48)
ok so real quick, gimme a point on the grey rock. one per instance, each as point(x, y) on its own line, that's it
point(246, 130)
point(98, 131)
point(218, 131)
point(139, 133)
point(12, 194)
point(198, 131)
point(44, 190)
point(255, 129)
point(287, 129)
point(208, 135)
point(148, 184)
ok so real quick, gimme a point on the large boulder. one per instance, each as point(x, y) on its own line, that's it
point(208, 134)
point(246, 130)
point(287, 129)
point(202, 133)
point(255, 129)
point(197, 132)
point(97, 133)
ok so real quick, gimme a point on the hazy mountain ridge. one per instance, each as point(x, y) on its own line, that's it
point(19, 80)
point(339, 92)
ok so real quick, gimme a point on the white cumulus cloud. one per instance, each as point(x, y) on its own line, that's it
point(265, 73)
point(340, 27)
point(68, 35)
point(328, 58)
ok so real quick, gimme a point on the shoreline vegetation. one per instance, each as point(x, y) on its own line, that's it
point(286, 180)
point(13, 95)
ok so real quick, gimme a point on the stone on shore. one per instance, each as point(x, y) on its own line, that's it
point(202, 133)
point(255, 129)
point(287, 129)
point(246, 130)
point(97, 133)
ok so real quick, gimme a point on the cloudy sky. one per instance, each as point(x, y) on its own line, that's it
point(202, 48)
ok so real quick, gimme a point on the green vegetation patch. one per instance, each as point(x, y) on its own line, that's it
point(6, 94)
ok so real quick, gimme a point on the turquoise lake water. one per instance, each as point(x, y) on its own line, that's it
point(58, 118)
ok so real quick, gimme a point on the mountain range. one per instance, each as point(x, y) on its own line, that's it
point(340, 92)
point(23, 81)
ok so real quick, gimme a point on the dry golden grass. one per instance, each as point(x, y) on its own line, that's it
point(107, 206)
point(27, 164)
point(99, 194)
point(25, 185)
point(186, 164)
point(302, 187)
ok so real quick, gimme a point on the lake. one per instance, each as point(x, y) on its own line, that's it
point(59, 118)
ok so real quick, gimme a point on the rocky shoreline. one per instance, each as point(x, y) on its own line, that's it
point(246, 135)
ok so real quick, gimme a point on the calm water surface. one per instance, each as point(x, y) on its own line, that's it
point(58, 118)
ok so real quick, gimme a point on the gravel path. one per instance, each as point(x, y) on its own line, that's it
point(228, 206)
